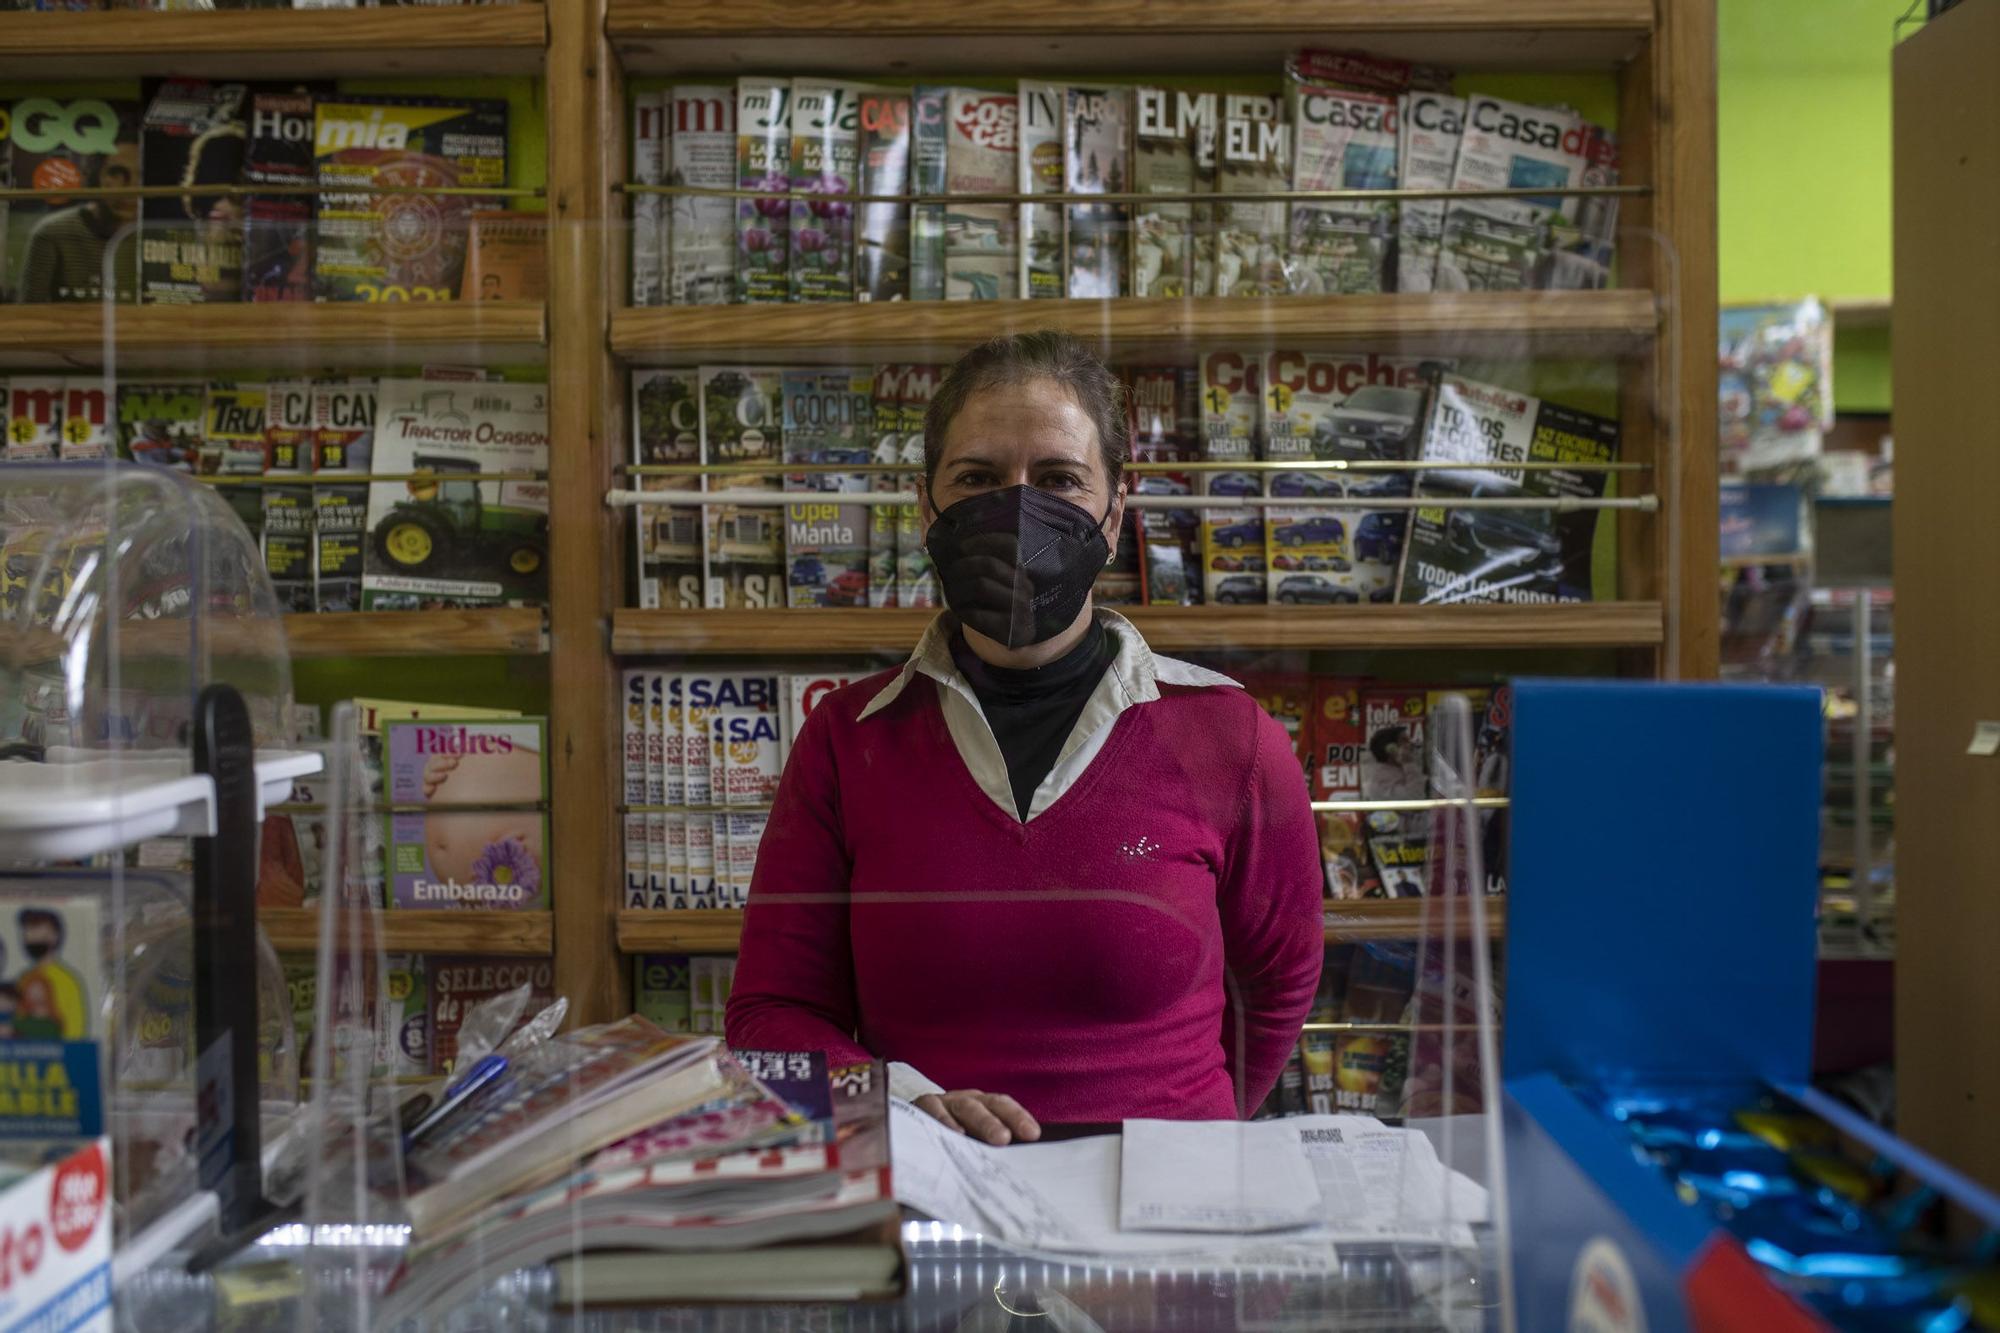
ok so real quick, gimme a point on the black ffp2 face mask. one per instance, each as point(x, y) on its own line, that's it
point(1017, 563)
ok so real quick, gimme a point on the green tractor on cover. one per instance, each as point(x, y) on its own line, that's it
point(446, 529)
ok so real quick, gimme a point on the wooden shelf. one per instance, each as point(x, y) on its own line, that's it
point(1168, 628)
point(277, 336)
point(503, 631)
point(528, 934)
point(1861, 313)
point(1613, 323)
point(470, 39)
point(1040, 37)
point(720, 930)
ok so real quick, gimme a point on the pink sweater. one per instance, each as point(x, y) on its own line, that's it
point(1148, 945)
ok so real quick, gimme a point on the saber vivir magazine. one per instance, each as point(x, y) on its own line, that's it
point(477, 836)
point(1531, 554)
point(446, 537)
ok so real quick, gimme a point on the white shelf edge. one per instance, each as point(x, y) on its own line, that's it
point(65, 811)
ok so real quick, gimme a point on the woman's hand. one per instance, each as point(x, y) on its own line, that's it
point(993, 1117)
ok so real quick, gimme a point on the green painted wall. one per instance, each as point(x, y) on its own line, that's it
point(1803, 183)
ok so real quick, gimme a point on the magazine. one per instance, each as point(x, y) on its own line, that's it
point(887, 436)
point(1392, 769)
point(1492, 723)
point(634, 737)
point(461, 982)
point(930, 138)
point(1255, 158)
point(1287, 697)
point(660, 990)
point(649, 167)
point(1341, 141)
point(343, 441)
point(882, 244)
point(666, 430)
point(1097, 160)
point(55, 243)
point(803, 692)
point(744, 545)
point(665, 883)
point(287, 536)
point(1583, 251)
point(763, 162)
point(916, 579)
point(458, 540)
point(86, 420)
point(701, 231)
point(981, 156)
point(1531, 554)
point(191, 245)
point(828, 419)
point(278, 228)
point(401, 247)
point(232, 430)
point(34, 417)
point(1338, 739)
point(492, 854)
point(1503, 244)
point(52, 971)
point(159, 422)
point(507, 257)
point(825, 159)
point(1327, 407)
point(1174, 143)
point(1165, 409)
point(1232, 540)
point(1040, 162)
point(1431, 125)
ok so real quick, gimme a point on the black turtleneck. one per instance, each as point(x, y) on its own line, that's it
point(1032, 710)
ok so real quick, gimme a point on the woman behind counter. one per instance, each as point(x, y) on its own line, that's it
point(1048, 874)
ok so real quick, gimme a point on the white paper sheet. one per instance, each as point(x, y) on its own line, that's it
point(1234, 1176)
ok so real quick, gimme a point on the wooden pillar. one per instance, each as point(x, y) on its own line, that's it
point(586, 557)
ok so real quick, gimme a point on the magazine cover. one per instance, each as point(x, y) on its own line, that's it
point(703, 698)
point(401, 247)
point(1492, 711)
point(233, 430)
point(480, 839)
point(1341, 141)
point(1431, 125)
point(1256, 158)
point(53, 974)
point(288, 426)
point(1096, 160)
point(887, 440)
point(1360, 407)
point(1174, 136)
point(660, 990)
point(930, 139)
point(1392, 769)
point(507, 256)
point(744, 545)
point(160, 422)
point(829, 417)
point(1040, 163)
point(461, 982)
point(667, 834)
point(632, 734)
point(746, 835)
point(1232, 540)
point(663, 887)
point(86, 419)
point(1502, 244)
point(286, 535)
point(1287, 697)
point(1531, 554)
point(666, 430)
point(278, 229)
point(343, 441)
point(34, 417)
point(700, 232)
point(649, 167)
point(882, 244)
point(449, 538)
point(54, 243)
point(747, 754)
point(804, 692)
point(1165, 408)
point(763, 162)
point(916, 579)
point(825, 159)
point(1582, 251)
point(191, 244)
point(1339, 738)
point(981, 157)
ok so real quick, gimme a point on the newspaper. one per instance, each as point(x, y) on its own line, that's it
point(1041, 172)
point(763, 162)
point(1255, 158)
point(1341, 141)
point(1096, 161)
point(701, 235)
point(1173, 152)
point(1430, 124)
point(1502, 244)
point(649, 223)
